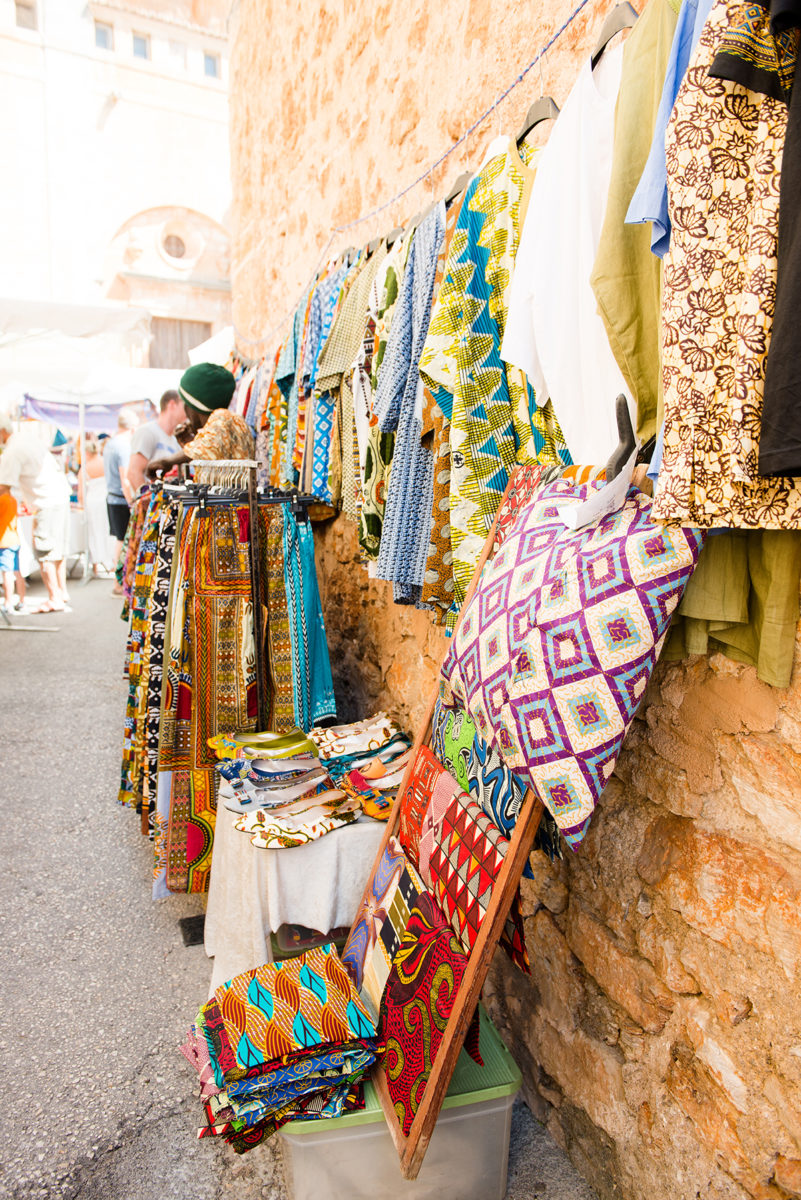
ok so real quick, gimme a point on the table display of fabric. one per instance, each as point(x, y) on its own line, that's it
point(282, 1038)
point(556, 647)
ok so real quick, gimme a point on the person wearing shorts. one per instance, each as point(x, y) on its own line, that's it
point(116, 457)
point(27, 464)
point(9, 555)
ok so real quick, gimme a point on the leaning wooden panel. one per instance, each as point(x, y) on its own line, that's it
point(412, 1148)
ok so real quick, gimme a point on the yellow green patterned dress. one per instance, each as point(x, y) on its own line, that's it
point(494, 420)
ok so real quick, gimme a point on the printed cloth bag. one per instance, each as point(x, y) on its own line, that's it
point(560, 639)
point(415, 799)
point(417, 1002)
point(376, 935)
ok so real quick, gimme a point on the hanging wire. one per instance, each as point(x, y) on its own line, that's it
point(264, 340)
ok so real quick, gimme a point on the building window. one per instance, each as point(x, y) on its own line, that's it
point(178, 53)
point(211, 65)
point(104, 36)
point(141, 45)
point(26, 14)
point(172, 340)
point(174, 246)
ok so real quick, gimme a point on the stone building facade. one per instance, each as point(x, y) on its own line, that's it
point(116, 180)
point(659, 1035)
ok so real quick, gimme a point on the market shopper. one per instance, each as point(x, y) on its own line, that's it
point(212, 431)
point(27, 464)
point(9, 555)
point(155, 439)
point(119, 493)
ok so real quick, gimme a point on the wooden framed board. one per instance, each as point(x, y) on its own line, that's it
point(412, 1148)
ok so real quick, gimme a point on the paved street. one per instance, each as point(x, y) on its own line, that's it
point(97, 986)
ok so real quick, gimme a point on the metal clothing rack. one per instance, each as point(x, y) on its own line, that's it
point(223, 481)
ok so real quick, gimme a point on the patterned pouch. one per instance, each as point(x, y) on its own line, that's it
point(558, 644)
point(415, 798)
point(419, 997)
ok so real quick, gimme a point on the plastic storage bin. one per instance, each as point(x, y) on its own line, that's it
point(354, 1158)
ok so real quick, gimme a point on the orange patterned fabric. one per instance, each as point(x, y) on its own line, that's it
point(415, 799)
point(272, 1012)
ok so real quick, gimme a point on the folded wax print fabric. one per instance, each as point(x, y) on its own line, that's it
point(559, 641)
point(419, 997)
point(274, 1015)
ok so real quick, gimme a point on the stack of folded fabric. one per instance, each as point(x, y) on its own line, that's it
point(287, 1041)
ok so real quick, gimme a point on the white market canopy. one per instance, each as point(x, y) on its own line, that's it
point(69, 355)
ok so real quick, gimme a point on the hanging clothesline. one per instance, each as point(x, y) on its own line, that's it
point(264, 340)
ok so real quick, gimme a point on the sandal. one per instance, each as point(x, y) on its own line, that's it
point(378, 769)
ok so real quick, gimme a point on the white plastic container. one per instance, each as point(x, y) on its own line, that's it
point(354, 1158)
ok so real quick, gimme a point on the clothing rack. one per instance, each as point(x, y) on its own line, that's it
point(226, 481)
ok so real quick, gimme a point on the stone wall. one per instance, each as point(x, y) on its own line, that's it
point(659, 1035)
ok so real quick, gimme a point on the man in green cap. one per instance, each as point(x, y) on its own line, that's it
point(211, 431)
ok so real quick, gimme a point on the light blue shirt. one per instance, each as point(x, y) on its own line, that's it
point(115, 458)
point(650, 201)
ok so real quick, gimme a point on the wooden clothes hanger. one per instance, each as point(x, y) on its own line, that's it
point(623, 16)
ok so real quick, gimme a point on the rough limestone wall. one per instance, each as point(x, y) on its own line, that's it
point(660, 1035)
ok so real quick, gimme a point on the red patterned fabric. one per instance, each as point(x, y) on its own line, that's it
point(415, 799)
point(464, 866)
point(417, 1002)
point(523, 485)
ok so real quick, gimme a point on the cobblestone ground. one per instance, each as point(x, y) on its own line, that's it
point(97, 986)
